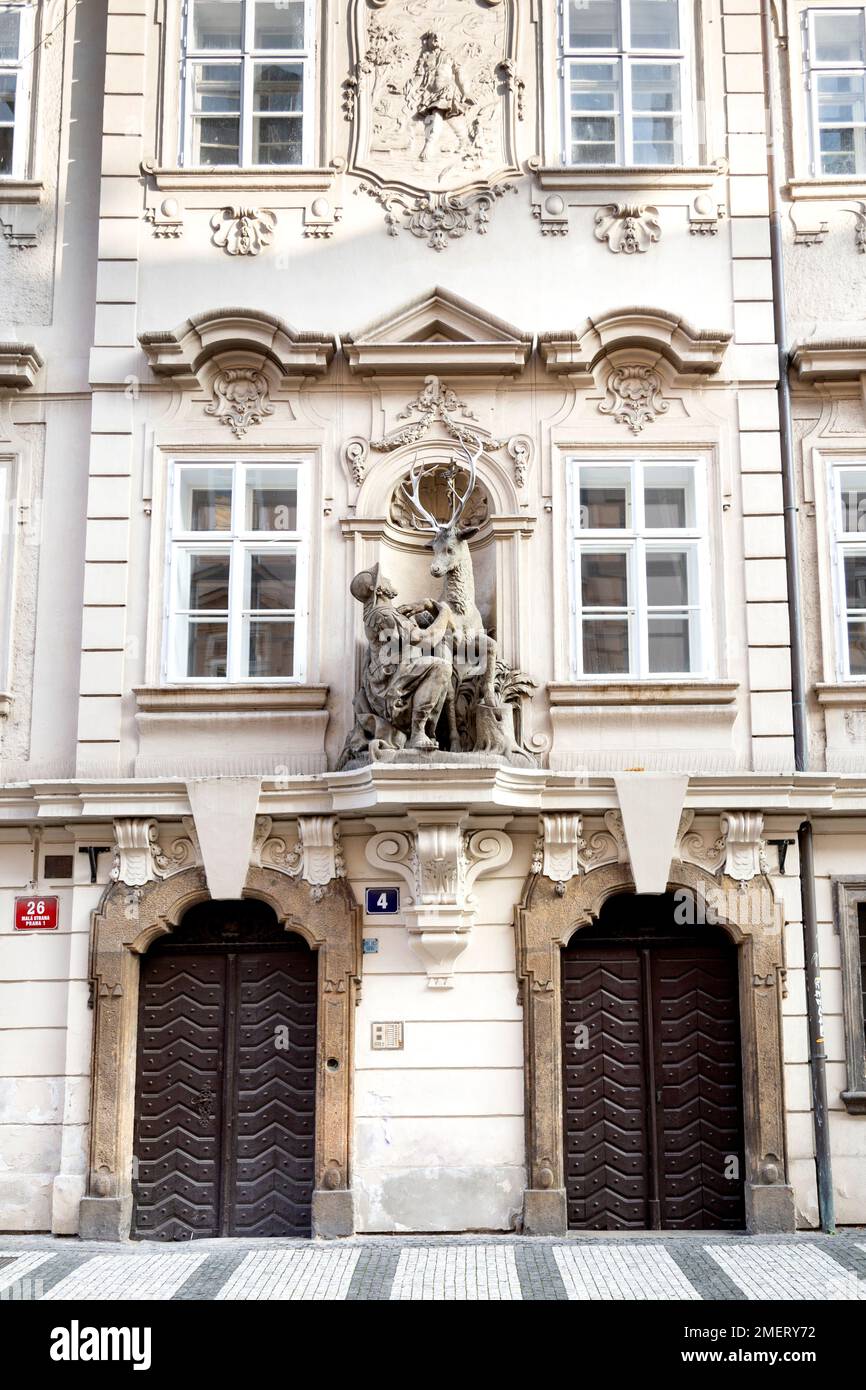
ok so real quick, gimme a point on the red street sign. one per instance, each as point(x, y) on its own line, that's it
point(35, 913)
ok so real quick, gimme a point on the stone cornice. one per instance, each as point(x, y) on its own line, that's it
point(836, 693)
point(228, 336)
point(830, 359)
point(19, 366)
point(689, 350)
point(439, 333)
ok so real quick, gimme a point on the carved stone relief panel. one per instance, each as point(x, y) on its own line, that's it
point(433, 95)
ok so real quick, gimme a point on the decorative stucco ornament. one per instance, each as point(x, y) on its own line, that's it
point(316, 857)
point(628, 227)
point(433, 96)
point(240, 399)
point(433, 660)
point(437, 403)
point(634, 396)
point(744, 845)
point(439, 862)
point(243, 231)
point(140, 858)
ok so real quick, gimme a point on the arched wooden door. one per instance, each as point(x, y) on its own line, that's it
point(226, 1078)
point(653, 1122)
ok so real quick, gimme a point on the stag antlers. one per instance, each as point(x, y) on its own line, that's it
point(418, 472)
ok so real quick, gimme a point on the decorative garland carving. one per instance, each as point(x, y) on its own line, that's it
point(243, 231)
point(628, 227)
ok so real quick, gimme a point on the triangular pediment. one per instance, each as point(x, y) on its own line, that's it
point(438, 330)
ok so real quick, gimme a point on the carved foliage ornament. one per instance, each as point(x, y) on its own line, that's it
point(243, 231)
point(634, 396)
point(240, 399)
point(628, 227)
point(436, 403)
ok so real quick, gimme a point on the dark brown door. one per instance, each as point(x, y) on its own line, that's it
point(651, 1073)
point(225, 1097)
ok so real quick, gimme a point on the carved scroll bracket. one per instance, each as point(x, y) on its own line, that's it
point(439, 860)
point(558, 849)
point(140, 857)
point(316, 856)
point(745, 857)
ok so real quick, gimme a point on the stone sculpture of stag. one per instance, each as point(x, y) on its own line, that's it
point(457, 621)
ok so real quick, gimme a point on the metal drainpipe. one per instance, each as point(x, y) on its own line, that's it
point(817, 1054)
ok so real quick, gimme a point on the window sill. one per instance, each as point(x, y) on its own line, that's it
point(803, 190)
point(851, 693)
point(643, 692)
point(255, 696)
point(854, 1102)
point(580, 178)
point(20, 190)
point(218, 179)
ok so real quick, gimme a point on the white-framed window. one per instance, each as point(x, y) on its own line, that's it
point(848, 506)
point(247, 71)
point(626, 83)
point(16, 53)
point(835, 68)
point(237, 570)
point(639, 567)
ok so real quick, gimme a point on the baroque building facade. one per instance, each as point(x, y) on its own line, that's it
point(398, 611)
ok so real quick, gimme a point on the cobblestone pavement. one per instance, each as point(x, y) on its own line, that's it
point(423, 1268)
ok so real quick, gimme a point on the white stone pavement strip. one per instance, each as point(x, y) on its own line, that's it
point(621, 1272)
point(460, 1272)
point(22, 1267)
point(292, 1275)
point(151, 1277)
point(786, 1272)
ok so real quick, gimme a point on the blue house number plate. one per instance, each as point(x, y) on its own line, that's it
point(382, 901)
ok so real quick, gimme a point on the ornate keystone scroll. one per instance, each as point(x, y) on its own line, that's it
point(439, 861)
point(631, 228)
point(316, 857)
point(744, 845)
point(140, 858)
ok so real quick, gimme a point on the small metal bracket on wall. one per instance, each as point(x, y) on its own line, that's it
point(93, 852)
point(782, 847)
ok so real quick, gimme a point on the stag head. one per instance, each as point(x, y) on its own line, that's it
point(448, 538)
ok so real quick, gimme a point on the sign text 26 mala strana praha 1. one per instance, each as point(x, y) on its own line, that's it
point(33, 913)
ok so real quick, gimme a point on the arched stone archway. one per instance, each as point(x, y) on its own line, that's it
point(124, 925)
point(547, 918)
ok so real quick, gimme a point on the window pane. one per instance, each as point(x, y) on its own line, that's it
point(279, 25)
point(605, 497)
point(272, 499)
point(205, 499)
point(217, 88)
point(839, 37)
point(595, 104)
point(669, 498)
point(667, 579)
point(217, 24)
point(10, 28)
point(270, 648)
point(278, 139)
point(857, 648)
point(855, 581)
point(207, 649)
point(669, 648)
point(655, 24)
point(270, 581)
point(5, 150)
point(8, 82)
point(593, 23)
point(606, 647)
point(852, 496)
point(656, 90)
point(208, 582)
point(604, 581)
point(840, 99)
point(841, 117)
